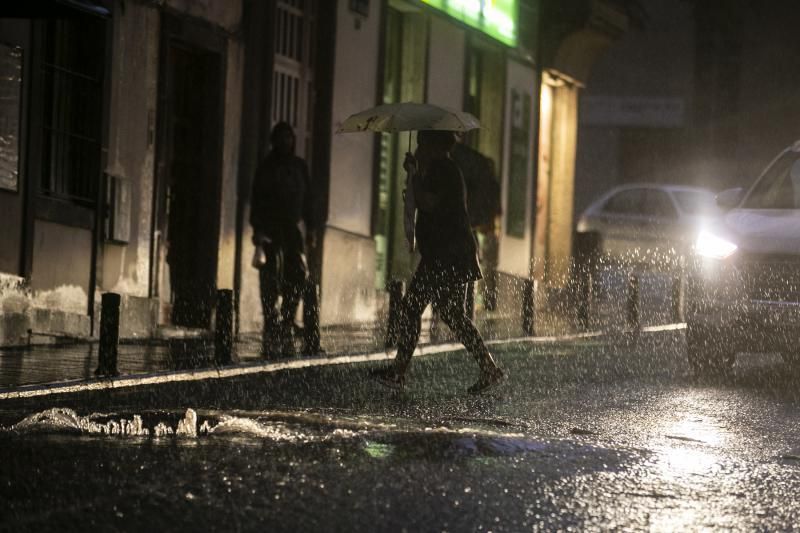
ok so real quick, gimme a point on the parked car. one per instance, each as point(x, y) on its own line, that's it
point(743, 290)
point(653, 225)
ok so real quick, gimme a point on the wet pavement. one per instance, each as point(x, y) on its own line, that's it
point(77, 360)
point(608, 433)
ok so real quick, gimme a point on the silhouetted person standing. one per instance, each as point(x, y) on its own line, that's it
point(281, 200)
point(449, 260)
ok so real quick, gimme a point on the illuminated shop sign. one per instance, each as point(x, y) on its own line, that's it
point(496, 18)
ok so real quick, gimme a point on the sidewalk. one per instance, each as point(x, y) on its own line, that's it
point(66, 361)
point(49, 363)
point(37, 365)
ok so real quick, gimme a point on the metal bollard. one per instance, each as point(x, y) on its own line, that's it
point(584, 296)
point(311, 335)
point(529, 307)
point(223, 330)
point(109, 335)
point(633, 303)
point(677, 298)
point(435, 330)
point(587, 246)
point(395, 290)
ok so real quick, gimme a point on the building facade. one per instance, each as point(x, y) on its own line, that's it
point(125, 137)
point(132, 130)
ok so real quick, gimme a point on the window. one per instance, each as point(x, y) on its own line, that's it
point(779, 188)
point(293, 77)
point(659, 204)
point(72, 69)
point(695, 202)
point(628, 202)
point(404, 78)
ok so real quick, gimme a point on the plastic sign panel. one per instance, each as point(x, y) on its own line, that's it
point(496, 18)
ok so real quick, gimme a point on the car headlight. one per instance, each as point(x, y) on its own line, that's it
point(709, 245)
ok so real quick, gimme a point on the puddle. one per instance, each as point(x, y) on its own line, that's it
point(377, 437)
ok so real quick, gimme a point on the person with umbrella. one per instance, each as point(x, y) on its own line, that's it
point(448, 259)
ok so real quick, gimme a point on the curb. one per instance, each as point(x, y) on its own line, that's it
point(176, 376)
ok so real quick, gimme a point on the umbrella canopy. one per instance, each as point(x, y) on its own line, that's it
point(408, 116)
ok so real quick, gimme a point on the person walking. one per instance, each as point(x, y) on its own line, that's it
point(281, 200)
point(448, 260)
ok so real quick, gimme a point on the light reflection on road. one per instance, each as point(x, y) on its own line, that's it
point(590, 438)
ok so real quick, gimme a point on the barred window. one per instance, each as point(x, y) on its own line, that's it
point(74, 51)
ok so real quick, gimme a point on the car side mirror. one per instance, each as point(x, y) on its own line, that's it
point(730, 198)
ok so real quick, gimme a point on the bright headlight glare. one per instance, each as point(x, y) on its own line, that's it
point(709, 245)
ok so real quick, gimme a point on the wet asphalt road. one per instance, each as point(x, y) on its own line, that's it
point(611, 434)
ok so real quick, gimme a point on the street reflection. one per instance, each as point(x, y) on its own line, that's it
point(675, 463)
point(695, 428)
point(690, 441)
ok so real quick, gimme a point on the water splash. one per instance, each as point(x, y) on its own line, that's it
point(248, 427)
point(188, 426)
point(378, 439)
point(65, 420)
point(162, 430)
point(57, 419)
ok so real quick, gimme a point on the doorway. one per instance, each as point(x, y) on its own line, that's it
point(404, 79)
point(189, 174)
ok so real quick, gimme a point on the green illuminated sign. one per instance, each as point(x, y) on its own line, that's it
point(496, 18)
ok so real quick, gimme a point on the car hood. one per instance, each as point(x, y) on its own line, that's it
point(764, 231)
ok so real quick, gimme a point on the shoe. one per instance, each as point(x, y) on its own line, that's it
point(286, 339)
point(388, 378)
point(487, 380)
point(270, 350)
point(316, 351)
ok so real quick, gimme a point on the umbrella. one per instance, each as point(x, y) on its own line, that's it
point(409, 116)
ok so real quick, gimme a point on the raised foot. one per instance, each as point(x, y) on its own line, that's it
point(489, 379)
point(388, 378)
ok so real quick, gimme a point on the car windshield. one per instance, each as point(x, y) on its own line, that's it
point(779, 188)
point(695, 202)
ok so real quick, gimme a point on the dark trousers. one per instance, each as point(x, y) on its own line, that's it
point(276, 278)
point(427, 287)
point(469, 310)
point(284, 274)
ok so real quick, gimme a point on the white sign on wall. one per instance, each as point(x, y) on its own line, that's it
point(632, 111)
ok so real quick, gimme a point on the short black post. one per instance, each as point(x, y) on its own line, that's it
point(109, 335)
point(584, 294)
point(395, 290)
point(223, 331)
point(435, 330)
point(633, 303)
point(311, 335)
point(677, 298)
point(529, 307)
point(586, 259)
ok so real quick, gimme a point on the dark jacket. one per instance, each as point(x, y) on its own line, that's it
point(443, 230)
point(281, 199)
